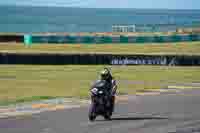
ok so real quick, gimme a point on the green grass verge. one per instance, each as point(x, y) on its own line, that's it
point(19, 83)
point(5, 102)
point(187, 48)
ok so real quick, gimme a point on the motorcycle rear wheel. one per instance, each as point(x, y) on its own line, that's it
point(107, 116)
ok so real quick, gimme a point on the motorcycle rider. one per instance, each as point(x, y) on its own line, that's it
point(107, 76)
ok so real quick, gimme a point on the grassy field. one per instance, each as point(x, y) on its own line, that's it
point(187, 48)
point(20, 83)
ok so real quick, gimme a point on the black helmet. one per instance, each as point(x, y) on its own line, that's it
point(105, 74)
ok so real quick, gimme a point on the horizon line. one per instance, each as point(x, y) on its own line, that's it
point(61, 6)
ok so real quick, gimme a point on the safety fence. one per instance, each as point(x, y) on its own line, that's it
point(99, 59)
point(29, 39)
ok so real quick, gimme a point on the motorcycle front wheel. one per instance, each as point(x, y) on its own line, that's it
point(92, 113)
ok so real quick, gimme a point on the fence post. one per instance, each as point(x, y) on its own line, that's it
point(27, 40)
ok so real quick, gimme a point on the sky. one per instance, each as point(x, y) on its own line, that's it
point(160, 4)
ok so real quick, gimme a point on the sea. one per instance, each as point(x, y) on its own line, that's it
point(29, 19)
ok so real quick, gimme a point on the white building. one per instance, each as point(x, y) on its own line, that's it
point(123, 28)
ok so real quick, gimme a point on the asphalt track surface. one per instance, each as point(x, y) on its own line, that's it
point(165, 113)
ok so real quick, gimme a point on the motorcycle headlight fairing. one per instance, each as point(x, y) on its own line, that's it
point(94, 90)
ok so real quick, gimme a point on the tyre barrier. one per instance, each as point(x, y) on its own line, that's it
point(12, 38)
point(99, 59)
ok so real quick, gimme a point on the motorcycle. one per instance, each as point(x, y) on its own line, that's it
point(101, 102)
